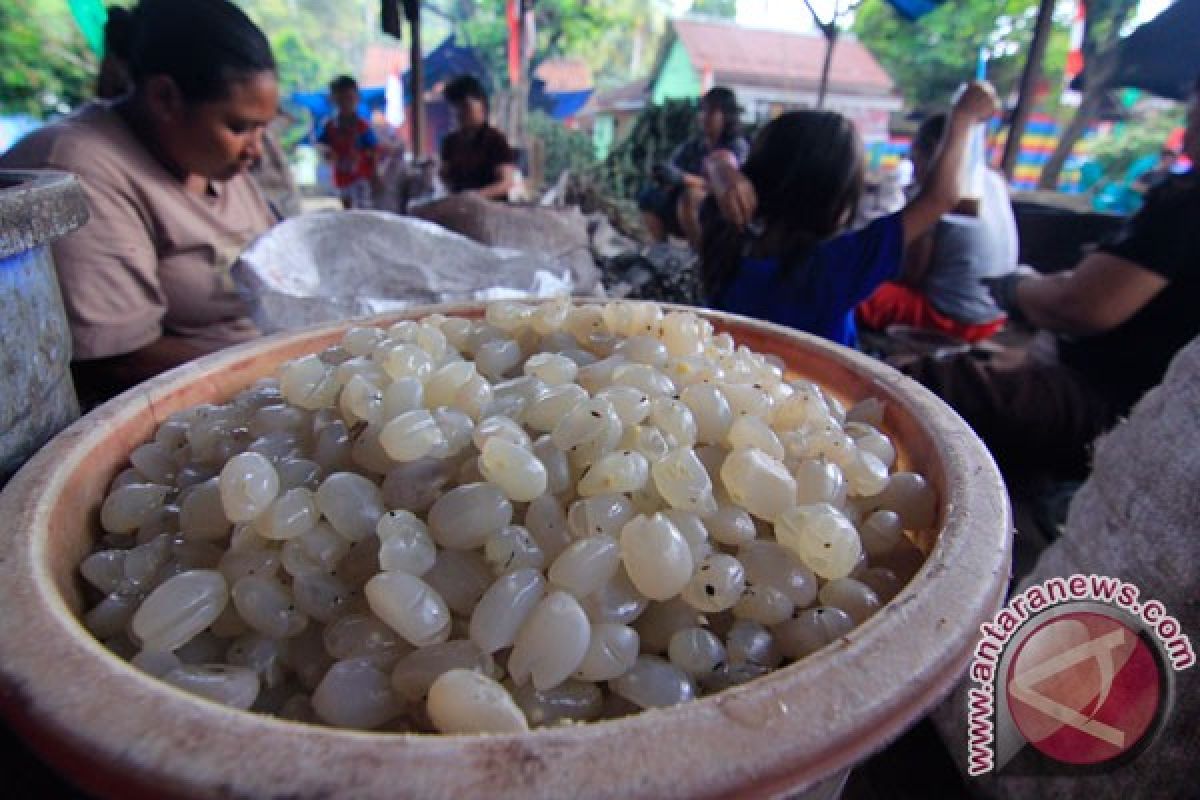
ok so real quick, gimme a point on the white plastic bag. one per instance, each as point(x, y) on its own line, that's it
point(325, 267)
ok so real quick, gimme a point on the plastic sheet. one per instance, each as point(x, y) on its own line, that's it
point(325, 267)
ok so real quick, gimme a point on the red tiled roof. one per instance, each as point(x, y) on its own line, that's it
point(380, 61)
point(779, 59)
point(565, 75)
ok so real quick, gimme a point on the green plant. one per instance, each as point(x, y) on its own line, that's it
point(564, 150)
point(656, 133)
point(46, 67)
point(1114, 153)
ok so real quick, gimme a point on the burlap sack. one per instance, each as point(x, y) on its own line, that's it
point(561, 235)
point(1136, 518)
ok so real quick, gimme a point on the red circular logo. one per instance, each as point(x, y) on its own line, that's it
point(1084, 688)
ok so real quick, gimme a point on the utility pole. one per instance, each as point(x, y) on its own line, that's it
point(412, 9)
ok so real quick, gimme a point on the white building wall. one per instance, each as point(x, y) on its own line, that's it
point(868, 112)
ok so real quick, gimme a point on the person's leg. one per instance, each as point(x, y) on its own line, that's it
point(896, 304)
point(362, 193)
point(687, 212)
point(890, 304)
point(1028, 414)
point(651, 201)
point(656, 229)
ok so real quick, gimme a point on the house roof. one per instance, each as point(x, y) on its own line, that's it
point(565, 75)
point(380, 61)
point(778, 59)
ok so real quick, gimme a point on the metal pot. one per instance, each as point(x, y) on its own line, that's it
point(37, 397)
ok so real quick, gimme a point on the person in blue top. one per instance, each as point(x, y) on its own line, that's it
point(777, 251)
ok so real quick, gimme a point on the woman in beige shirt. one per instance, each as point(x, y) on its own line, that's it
point(146, 282)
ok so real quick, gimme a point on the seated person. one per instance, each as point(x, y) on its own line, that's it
point(672, 205)
point(350, 144)
point(940, 287)
point(475, 157)
point(1168, 157)
point(778, 251)
point(146, 282)
point(1117, 318)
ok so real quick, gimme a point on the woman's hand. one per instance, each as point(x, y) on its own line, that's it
point(940, 191)
point(733, 192)
point(977, 103)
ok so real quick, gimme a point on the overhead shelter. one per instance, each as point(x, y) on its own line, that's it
point(1162, 56)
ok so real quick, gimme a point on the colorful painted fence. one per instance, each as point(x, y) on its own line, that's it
point(1037, 145)
point(885, 156)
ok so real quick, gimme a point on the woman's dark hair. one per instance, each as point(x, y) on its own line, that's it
point(463, 88)
point(807, 171)
point(202, 45)
point(724, 100)
point(342, 83)
point(118, 33)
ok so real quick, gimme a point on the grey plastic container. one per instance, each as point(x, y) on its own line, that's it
point(37, 397)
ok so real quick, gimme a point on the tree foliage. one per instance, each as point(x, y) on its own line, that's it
point(724, 9)
point(565, 150)
point(1105, 20)
point(931, 57)
point(314, 40)
point(45, 65)
point(1116, 152)
point(605, 35)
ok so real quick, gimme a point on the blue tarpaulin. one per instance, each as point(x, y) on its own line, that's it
point(568, 104)
point(318, 104)
point(13, 127)
point(559, 105)
point(914, 9)
point(448, 60)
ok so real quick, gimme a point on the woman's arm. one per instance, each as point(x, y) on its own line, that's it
point(1098, 295)
point(505, 179)
point(101, 378)
point(940, 192)
point(732, 190)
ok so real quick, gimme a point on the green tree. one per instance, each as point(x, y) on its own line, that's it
point(724, 9)
point(605, 35)
point(931, 57)
point(45, 66)
point(1101, 41)
point(313, 40)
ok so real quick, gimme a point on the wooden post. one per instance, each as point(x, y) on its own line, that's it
point(416, 102)
point(1029, 79)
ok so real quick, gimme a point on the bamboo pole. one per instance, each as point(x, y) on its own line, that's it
point(1029, 79)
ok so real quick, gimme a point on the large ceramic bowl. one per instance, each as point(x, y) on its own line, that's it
point(120, 733)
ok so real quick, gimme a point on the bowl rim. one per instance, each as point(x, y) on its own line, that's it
point(141, 737)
